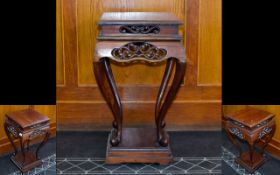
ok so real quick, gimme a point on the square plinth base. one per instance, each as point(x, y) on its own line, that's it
point(244, 161)
point(27, 163)
point(138, 145)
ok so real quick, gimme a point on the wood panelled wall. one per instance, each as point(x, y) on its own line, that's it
point(80, 105)
point(274, 145)
point(48, 110)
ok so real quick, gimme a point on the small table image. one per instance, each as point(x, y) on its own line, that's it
point(146, 37)
point(26, 125)
point(251, 125)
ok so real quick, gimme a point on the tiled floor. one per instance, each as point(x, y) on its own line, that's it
point(47, 153)
point(181, 165)
point(194, 152)
point(47, 168)
point(84, 153)
point(228, 158)
point(183, 144)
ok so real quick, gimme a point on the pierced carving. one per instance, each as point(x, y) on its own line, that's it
point(37, 133)
point(239, 124)
point(236, 132)
point(13, 130)
point(264, 131)
point(262, 123)
point(36, 126)
point(139, 49)
point(140, 29)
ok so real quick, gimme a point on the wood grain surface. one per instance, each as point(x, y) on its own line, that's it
point(80, 104)
point(210, 46)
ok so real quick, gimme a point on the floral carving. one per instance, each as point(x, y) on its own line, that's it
point(262, 123)
point(264, 131)
point(142, 29)
point(139, 49)
point(13, 131)
point(236, 132)
point(36, 133)
point(239, 124)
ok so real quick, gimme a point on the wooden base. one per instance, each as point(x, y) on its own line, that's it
point(138, 145)
point(244, 161)
point(27, 163)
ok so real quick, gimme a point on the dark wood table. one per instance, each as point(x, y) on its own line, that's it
point(26, 125)
point(253, 126)
point(152, 38)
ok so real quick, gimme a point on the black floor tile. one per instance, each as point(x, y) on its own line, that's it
point(8, 167)
point(190, 149)
point(183, 144)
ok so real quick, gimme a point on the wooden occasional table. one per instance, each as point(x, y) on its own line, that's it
point(26, 125)
point(128, 37)
point(251, 125)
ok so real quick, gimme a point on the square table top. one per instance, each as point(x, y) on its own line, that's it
point(27, 117)
point(139, 18)
point(250, 117)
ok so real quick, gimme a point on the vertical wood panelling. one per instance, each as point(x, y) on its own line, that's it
point(59, 45)
point(191, 37)
point(210, 42)
point(70, 41)
point(137, 84)
point(87, 16)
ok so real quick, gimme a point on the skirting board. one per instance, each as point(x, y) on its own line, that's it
point(69, 127)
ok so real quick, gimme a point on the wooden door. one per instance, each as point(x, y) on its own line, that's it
point(80, 105)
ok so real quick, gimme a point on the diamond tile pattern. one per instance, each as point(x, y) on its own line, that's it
point(181, 165)
point(47, 168)
point(229, 157)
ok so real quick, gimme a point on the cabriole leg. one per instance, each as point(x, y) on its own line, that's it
point(107, 86)
point(161, 110)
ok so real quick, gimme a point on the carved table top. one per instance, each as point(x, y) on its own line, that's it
point(139, 17)
point(122, 51)
point(27, 118)
point(251, 117)
point(139, 26)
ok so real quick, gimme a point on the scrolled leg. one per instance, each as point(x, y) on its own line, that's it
point(162, 89)
point(234, 141)
point(251, 151)
point(114, 124)
point(10, 138)
point(161, 110)
point(107, 86)
point(28, 144)
point(267, 139)
point(22, 149)
point(47, 135)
